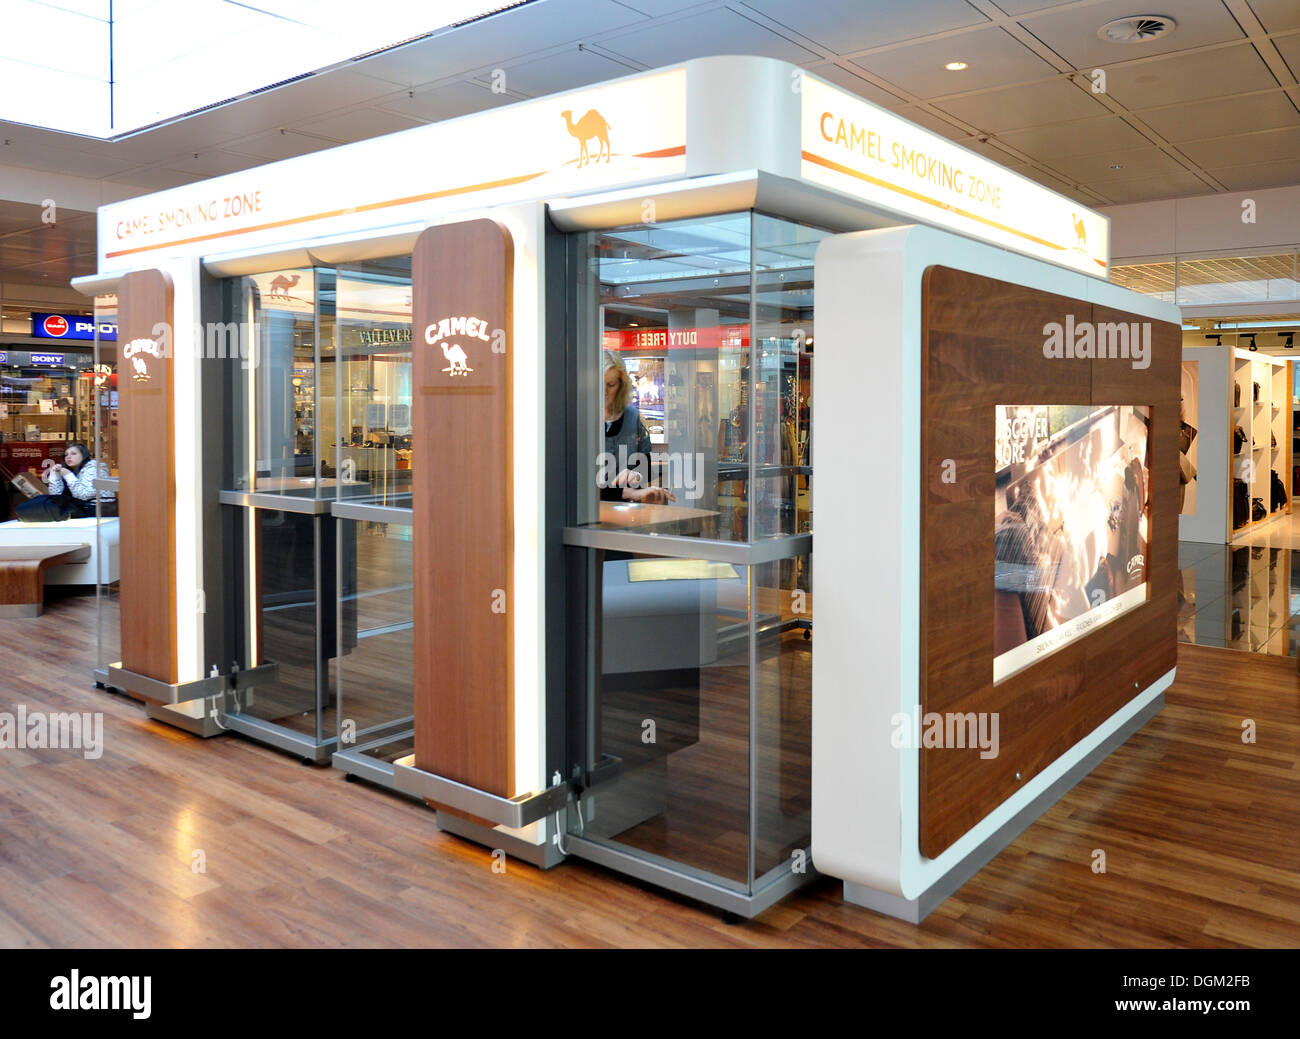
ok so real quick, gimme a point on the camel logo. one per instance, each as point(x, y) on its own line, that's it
point(134, 352)
point(590, 125)
point(280, 285)
point(436, 334)
point(1080, 232)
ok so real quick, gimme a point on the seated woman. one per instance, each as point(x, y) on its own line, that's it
point(627, 442)
point(71, 490)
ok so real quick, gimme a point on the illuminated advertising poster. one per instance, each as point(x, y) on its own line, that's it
point(1187, 446)
point(1071, 519)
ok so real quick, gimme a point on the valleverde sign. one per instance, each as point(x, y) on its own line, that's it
point(874, 155)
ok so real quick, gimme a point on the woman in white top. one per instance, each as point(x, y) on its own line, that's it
point(71, 489)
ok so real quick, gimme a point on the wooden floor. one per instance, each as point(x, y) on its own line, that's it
point(1201, 834)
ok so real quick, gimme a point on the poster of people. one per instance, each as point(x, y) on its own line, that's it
point(1070, 524)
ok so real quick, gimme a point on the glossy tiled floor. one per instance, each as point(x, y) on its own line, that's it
point(1245, 595)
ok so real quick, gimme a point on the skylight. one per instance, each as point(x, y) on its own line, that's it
point(103, 68)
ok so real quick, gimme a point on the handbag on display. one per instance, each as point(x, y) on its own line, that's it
point(1238, 438)
point(1255, 387)
point(1278, 491)
point(1236, 394)
point(1257, 510)
point(1240, 504)
point(1186, 434)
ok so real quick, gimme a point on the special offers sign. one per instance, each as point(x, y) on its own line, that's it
point(621, 133)
point(865, 151)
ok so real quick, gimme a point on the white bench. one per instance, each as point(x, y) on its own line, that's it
point(104, 557)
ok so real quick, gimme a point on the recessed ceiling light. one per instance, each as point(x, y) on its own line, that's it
point(1117, 165)
point(956, 66)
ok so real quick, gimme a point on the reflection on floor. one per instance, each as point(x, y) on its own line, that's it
point(1245, 595)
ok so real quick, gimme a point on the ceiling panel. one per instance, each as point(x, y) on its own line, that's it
point(556, 72)
point(1052, 101)
point(1095, 170)
point(1190, 77)
point(1252, 176)
point(213, 162)
point(445, 102)
point(1276, 15)
point(1107, 134)
point(156, 179)
point(506, 37)
point(1265, 146)
point(931, 122)
point(656, 8)
point(1224, 116)
point(718, 31)
point(1026, 6)
point(356, 124)
point(1167, 185)
point(852, 81)
point(843, 26)
point(1289, 47)
point(1047, 180)
point(1072, 32)
point(993, 58)
point(279, 144)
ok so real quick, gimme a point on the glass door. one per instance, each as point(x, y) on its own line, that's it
point(690, 530)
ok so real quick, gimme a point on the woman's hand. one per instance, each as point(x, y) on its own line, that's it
point(649, 495)
point(628, 478)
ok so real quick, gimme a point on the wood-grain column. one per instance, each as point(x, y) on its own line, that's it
point(147, 467)
point(463, 526)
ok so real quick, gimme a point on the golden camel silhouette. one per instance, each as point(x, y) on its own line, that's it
point(1079, 231)
point(590, 125)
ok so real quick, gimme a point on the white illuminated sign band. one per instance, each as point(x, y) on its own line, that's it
point(865, 151)
point(635, 131)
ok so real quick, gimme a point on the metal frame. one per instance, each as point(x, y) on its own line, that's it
point(512, 812)
point(678, 547)
point(766, 892)
point(119, 677)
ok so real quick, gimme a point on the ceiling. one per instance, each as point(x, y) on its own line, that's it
point(1212, 107)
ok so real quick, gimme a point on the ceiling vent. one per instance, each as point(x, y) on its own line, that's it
point(1137, 28)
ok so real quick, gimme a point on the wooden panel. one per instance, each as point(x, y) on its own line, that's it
point(463, 527)
point(147, 461)
point(983, 346)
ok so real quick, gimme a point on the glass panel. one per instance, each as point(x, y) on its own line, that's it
point(98, 396)
point(369, 436)
point(781, 500)
point(672, 308)
point(274, 332)
point(376, 685)
point(782, 711)
point(285, 554)
point(672, 702)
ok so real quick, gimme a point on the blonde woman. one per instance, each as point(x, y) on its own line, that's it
point(627, 442)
